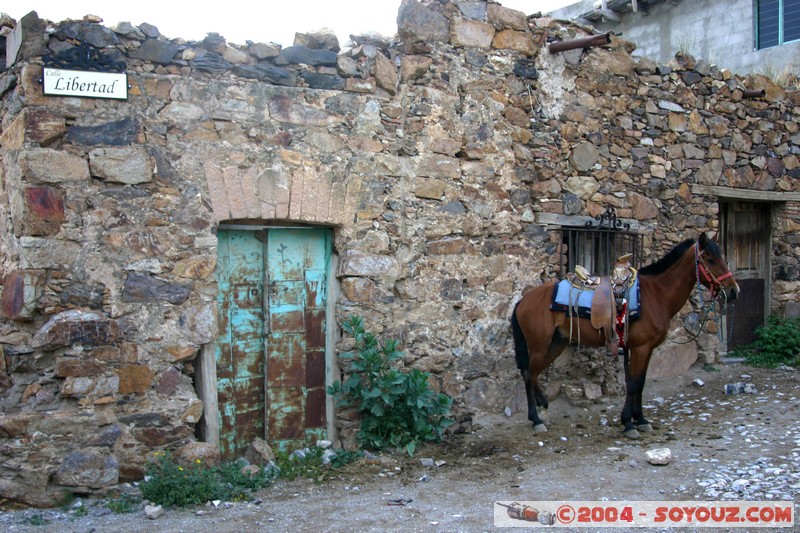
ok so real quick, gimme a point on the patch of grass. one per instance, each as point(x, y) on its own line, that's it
point(37, 520)
point(306, 463)
point(686, 43)
point(777, 343)
point(80, 510)
point(242, 484)
point(344, 457)
point(310, 462)
point(785, 76)
point(169, 484)
point(126, 503)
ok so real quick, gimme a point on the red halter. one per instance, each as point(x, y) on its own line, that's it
point(714, 284)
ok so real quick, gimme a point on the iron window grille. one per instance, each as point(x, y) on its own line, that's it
point(598, 243)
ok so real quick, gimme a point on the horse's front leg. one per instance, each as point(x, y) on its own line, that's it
point(642, 424)
point(632, 390)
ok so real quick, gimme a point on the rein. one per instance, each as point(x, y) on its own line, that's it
point(714, 286)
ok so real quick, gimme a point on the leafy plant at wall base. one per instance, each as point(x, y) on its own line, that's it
point(777, 343)
point(399, 409)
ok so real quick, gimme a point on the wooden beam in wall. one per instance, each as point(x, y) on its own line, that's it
point(746, 194)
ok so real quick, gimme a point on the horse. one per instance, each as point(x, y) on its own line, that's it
point(541, 334)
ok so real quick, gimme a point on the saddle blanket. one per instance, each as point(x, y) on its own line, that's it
point(566, 296)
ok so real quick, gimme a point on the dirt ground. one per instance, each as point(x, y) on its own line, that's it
point(711, 436)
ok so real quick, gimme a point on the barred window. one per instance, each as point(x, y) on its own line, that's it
point(597, 245)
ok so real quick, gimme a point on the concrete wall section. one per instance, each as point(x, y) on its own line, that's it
point(721, 32)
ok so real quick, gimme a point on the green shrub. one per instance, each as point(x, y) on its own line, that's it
point(777, 343)
point(169, 484)
point(399, 409)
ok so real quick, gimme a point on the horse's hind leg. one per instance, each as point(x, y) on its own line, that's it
point(532, 393)
point(536, 396)
point(528, 362)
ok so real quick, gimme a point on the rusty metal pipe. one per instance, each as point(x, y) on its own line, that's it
point(753, 93)
point(585, 42)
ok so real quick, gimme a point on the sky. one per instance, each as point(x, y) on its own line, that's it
point(242, 20)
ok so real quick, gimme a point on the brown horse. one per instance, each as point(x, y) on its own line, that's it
point(541, 335)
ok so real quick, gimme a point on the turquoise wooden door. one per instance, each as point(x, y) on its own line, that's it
point(270, 352)
point(298, 265)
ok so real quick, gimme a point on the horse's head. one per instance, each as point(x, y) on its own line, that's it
point(712, 269)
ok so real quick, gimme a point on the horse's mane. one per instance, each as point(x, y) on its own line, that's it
point(666, 262)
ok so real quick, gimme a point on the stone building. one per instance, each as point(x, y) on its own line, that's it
point(175, 262)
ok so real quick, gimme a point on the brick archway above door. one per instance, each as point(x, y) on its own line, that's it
point(290, 189)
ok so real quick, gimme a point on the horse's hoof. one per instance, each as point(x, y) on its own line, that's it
point(644, 428)
point(539, 428)
point(543, 415)
point(632, 433)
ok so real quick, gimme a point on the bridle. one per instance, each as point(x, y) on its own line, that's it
point(713, 282)
point(714, 285)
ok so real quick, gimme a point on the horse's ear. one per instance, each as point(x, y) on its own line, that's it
point(703, 238)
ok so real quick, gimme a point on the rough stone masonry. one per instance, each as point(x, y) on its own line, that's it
point(443, 159)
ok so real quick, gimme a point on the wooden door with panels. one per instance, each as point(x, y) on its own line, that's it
point(747, 241)
point(270, 354)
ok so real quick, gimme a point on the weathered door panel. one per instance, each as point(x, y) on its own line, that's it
point(315, 368)
point(297, 265)
point(749, 312)
point(286, 415)
point(287, 367)
point(240, 345)
point(315, 410)
point(748, 238)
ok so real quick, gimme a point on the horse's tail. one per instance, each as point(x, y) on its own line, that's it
point(520, 344)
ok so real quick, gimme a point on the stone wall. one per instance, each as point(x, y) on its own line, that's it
point(441, 158)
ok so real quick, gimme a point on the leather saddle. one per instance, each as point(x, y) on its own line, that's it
point(609, 303)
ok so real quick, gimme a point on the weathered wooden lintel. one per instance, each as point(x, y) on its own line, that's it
point(577, 221)
point(746, 194)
